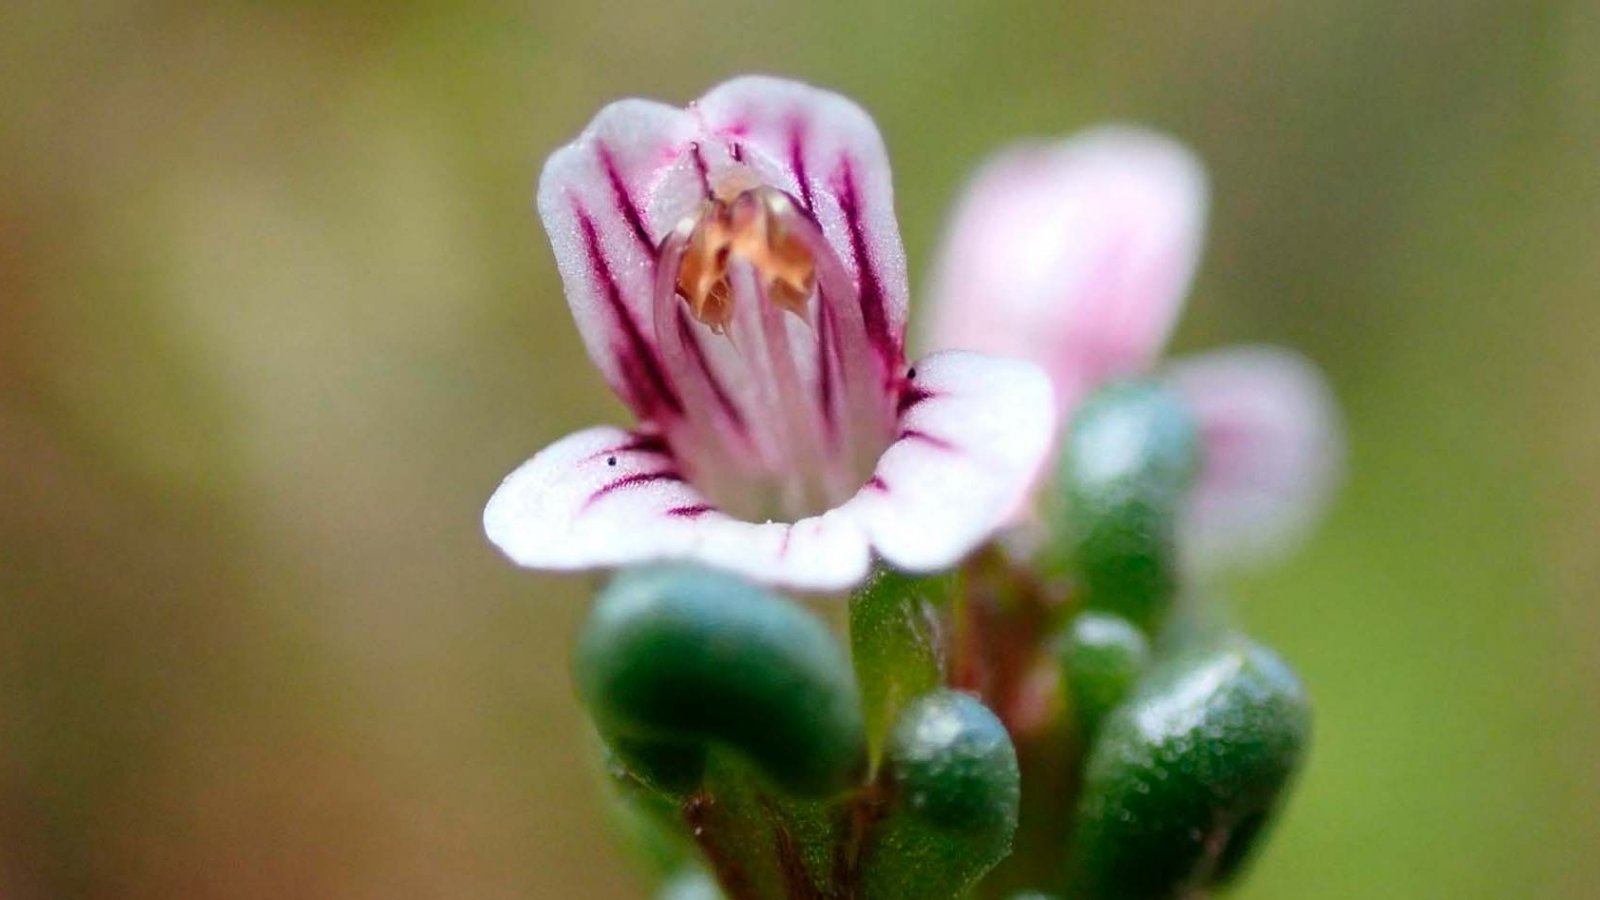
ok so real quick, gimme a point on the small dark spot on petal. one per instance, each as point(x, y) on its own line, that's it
point(611, 460)
point(911, 373)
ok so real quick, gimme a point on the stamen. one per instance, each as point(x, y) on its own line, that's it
point(753, 226)
point(703, 272)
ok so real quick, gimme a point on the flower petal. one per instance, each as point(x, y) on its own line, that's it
point(974, 430)
point(606, 199)
point(1273, 452)
point(1075, 255)
point(615, 200)
point(825, 151)
point(606, 497)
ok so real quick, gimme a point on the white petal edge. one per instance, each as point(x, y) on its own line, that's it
point(1076, 255)
point(965, 460)
point(571, 508)
point(1273, 453)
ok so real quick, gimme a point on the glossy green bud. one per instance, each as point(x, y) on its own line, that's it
point(666, 766)
point(690, 885)
point(1102, 656)
point(647, 818)
point(676, 657)
point(1187, 771)
point(954, 793)
point(1128, 460)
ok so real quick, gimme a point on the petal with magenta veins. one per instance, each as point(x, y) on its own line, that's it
point(973, 433)
point(1273, 452)
point(601, 198)
point(825, 151)
point(605, 497)
point(1076, 255)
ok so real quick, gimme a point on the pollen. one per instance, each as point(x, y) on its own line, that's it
point(754, 226)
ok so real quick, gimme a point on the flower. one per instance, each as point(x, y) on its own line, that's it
point(736, 272)
point(1078, 255)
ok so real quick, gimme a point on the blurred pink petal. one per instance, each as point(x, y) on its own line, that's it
point(1075, 255)
point(1273, 452)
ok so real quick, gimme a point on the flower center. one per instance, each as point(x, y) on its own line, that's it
point(787, 409)
point(752, 226)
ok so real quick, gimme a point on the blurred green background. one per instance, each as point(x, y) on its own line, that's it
point(276, 315)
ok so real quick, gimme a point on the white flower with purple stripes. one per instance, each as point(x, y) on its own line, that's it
point(736, 272)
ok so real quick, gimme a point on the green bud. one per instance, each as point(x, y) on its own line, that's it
point(1187, 771)
point(678, 656)
point(668, 767)
point(955, 790)
point(1102, 656)
point(894, 642)
point(647, 818)
point(690, 885)
point(1128, 460)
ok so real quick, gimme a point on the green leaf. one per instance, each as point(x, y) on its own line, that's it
point(1187, 772)
point(954, 789)
point(894, 643)
point(676, 658)
point(1128, 460)
point(1102, 656)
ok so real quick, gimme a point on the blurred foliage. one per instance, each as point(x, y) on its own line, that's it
point(275, 316)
